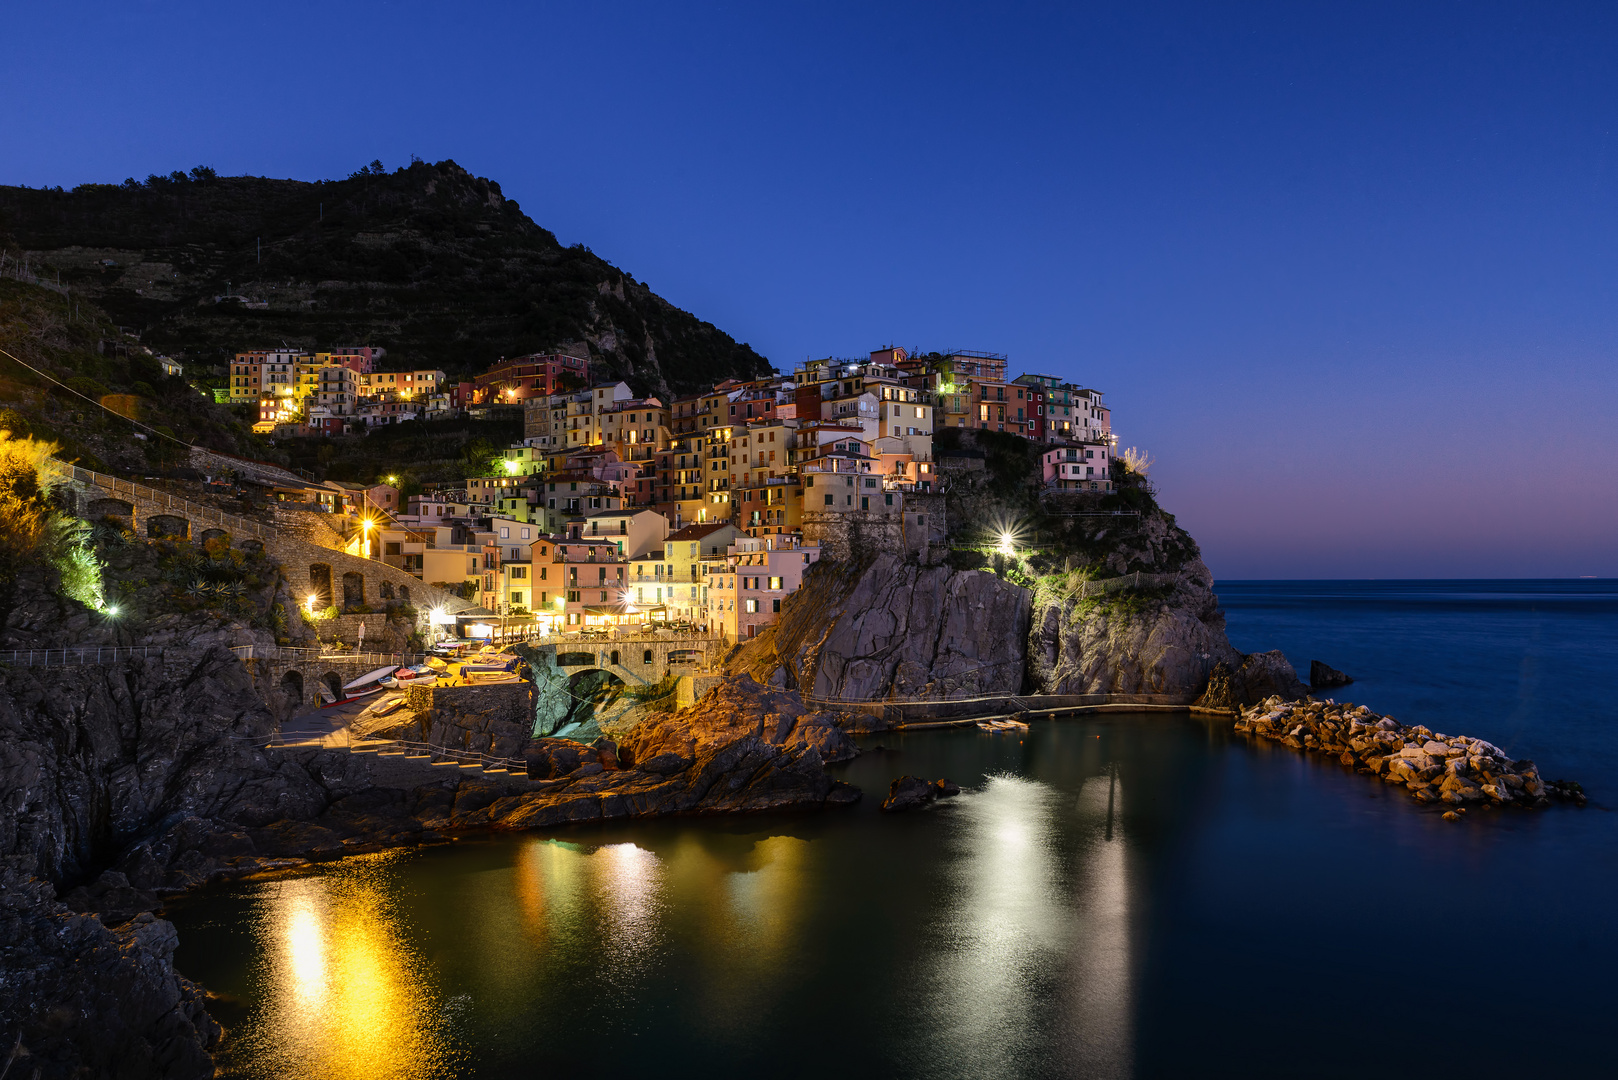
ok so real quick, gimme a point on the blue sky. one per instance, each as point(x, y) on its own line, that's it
point(1347, 273)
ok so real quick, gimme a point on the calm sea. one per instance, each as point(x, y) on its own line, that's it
point(1130, 896)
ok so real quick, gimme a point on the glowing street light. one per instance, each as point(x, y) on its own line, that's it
point(1005, 546)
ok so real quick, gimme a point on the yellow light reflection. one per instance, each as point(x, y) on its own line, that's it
point(346, 996)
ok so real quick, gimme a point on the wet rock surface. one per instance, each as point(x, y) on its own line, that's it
point(1454, 769)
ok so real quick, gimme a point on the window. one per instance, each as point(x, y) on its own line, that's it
point(828, 500)
point(775, 583)
point(525, 534)
point(750, 606)
point(505, 533)
point(777, 606)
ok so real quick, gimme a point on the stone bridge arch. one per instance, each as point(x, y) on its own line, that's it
point(332, 681)
point(97, 509)
point(291, 686)
point(168, 527)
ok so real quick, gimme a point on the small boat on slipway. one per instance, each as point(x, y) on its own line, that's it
point(1001, 727)
point(365, 685)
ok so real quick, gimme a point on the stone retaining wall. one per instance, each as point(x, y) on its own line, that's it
point(497, 719)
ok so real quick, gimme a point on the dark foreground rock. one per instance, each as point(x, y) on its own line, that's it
point(1454, 769)
point(1325, 677)
point(131, 782)
point(909, 792)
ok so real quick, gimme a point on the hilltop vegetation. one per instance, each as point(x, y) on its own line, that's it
point(429, 261)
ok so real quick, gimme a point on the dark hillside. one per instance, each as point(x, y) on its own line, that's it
point(429, 261)
point(79, 346)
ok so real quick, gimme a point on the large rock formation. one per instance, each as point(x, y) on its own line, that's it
point(886, 629)
point(1163, 639)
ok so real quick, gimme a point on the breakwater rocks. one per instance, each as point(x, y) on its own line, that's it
point(1453, 769)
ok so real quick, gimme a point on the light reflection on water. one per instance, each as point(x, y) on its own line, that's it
point(343, 994)
point(1029, 925)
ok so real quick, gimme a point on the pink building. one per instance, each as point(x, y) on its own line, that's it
point(1079, 468)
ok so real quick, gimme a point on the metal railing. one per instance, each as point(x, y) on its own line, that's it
point(87, 654)
point(308, 740)
point(197, 513)
point(298, 655)
point(113, 654)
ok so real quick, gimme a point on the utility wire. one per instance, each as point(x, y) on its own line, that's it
point(97, 404)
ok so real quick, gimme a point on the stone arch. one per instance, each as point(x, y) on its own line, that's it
point(404, 594)
point(320, 585)
point(253, 547)
point(215, 534)
point(333, 682)
point(168, 526)
point(113, 508)
point(384, 591)
point(353, 589)
point(614, 660)
point(292, 686)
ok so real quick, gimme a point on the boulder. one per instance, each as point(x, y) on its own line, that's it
point(1325, 677)
point(909, 792)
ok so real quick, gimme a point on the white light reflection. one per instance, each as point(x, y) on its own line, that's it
point(1098, 1036)
point(628, 884)
point(1004, 935)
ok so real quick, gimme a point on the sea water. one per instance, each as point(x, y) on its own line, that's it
point(1128, 895)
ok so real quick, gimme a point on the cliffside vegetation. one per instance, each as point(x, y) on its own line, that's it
point(1001, 517)
point(428, 261)
point(35, 538)
point(78, 345)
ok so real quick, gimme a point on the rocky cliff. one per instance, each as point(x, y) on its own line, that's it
point(1138, 615)
point(888, 629)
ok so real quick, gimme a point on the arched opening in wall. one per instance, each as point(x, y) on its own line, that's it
point(292, 686)
point(404, 594)
point(331, 687)
point(110, 508)
point(168, 527)
point(215, 534)
point(597, 695)
point(385, 590)
point(353, 589)
point(615, 658)
point(320, 585)
point(253, 547)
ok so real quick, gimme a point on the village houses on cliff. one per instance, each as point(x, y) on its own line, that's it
point(702, 511)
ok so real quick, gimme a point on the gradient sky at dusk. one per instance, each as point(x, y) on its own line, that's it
point(1349, 275)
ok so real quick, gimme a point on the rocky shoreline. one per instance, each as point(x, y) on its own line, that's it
point(1453, 769)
